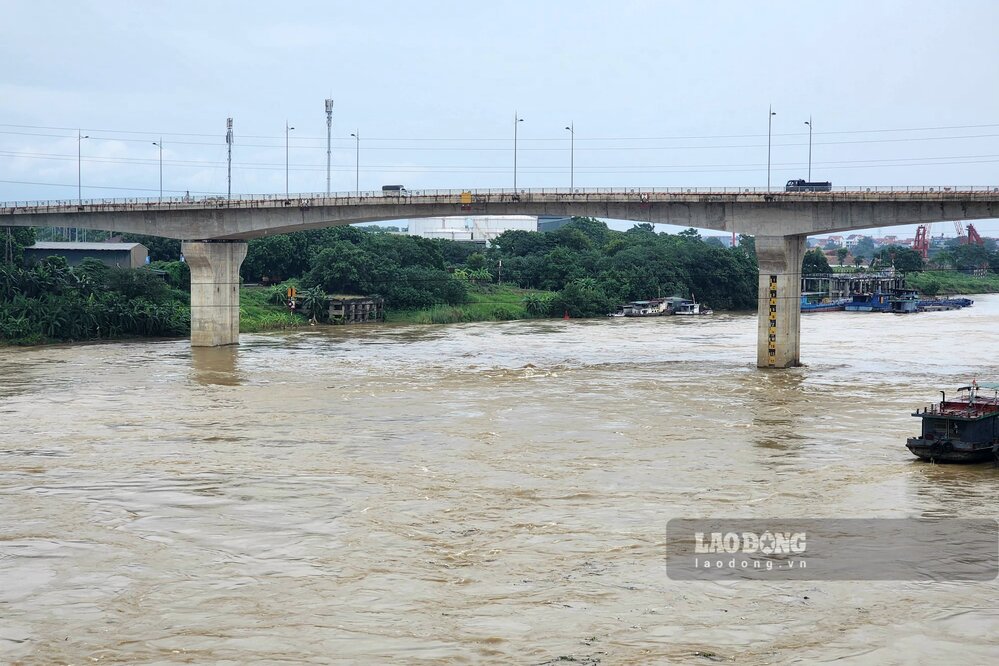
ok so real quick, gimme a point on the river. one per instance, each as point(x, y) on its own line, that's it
point(471, 493)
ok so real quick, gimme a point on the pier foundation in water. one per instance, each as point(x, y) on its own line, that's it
point(779, 305)
point(214, 291)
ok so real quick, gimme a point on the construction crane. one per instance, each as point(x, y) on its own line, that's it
point(974, 238)
point(959, 228)
point(922, 242)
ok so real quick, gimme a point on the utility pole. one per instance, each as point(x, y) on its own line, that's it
point(329, 133)
point(228, 143)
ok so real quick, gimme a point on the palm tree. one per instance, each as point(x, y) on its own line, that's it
point(315, 304)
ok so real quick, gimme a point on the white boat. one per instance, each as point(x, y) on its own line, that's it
point(691, 308)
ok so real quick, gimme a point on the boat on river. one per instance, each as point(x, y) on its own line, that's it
point(818, 301)
point(962, 429)
point(878, 301)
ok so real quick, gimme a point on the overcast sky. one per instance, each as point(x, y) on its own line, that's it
point(660, 94)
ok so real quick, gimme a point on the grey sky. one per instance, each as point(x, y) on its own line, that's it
point(661, 94)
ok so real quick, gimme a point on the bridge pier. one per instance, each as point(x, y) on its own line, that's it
point(214, 291)
point(779, 310)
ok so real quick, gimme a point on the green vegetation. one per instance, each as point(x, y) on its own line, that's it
point(52, 302)
point(933, 283)
point(815, 262)
point(14, 240)
point(262, 309)
point(485, 303)
point(582, 269)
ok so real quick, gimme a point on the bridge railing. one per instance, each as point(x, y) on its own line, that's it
point(340, 198)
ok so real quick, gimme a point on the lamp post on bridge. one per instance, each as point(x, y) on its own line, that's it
point(516, 121)
point(809, 123)
point(770, 121)
point(572, 154)
point(79, 175)
point(287, 134)
point(159, 144)
point(357, 160)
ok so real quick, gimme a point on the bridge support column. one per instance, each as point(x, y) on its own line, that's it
point(779, 328)
point(214, 291)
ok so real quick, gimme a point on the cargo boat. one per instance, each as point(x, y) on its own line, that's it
point(964, 429)
point(816, 301)
point(871, 302)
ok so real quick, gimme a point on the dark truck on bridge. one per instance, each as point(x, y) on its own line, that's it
point(802, 185)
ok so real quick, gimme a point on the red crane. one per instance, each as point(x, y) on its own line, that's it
point(922, 242)
point(973, 237)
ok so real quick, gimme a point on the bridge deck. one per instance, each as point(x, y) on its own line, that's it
point(922, 194)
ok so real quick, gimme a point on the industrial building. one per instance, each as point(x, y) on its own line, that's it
point(122, 255)
point(474, 228)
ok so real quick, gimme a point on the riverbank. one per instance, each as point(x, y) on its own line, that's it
point(933, 283)
point(485, 303)
point(257, 313)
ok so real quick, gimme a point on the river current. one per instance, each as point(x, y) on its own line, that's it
point(475, 493)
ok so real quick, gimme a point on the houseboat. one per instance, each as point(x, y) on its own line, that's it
point(691, 308)
point(963, 429)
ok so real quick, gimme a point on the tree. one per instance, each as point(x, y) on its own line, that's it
point(815, 263)
point(904, 259)
point(538, 305)
point(315, 304)
point(841, 254)
point(16, 239)
point(581, 298)
point(864, 247)
point(160, 249)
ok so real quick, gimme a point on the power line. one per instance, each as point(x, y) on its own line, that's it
point(485, 168)
point(646, 138)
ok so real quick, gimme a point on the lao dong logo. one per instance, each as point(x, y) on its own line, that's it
point(766, 543)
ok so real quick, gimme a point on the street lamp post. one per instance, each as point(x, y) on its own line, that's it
point(287, 133)
point(159, 144)
point(329, 133)
point(516, 120)
point(79, 167)
point(357, 160)
point(79, 176)
point(809, 123)
point(572, 154)
point(770, 122)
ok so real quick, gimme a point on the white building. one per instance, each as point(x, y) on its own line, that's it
point(479, 228)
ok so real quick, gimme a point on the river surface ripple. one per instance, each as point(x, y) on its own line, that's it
point(492, 492)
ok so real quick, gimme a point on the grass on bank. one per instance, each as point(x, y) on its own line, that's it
point(485, 303)
point(257, 314)
point(932, 283)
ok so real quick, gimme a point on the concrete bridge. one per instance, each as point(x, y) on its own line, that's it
point(215, 230)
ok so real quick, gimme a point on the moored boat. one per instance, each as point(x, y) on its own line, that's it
point(964, 429)
point(871, 302)
point(817, 301)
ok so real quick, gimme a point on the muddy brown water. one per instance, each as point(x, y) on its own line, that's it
point(478, 493)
